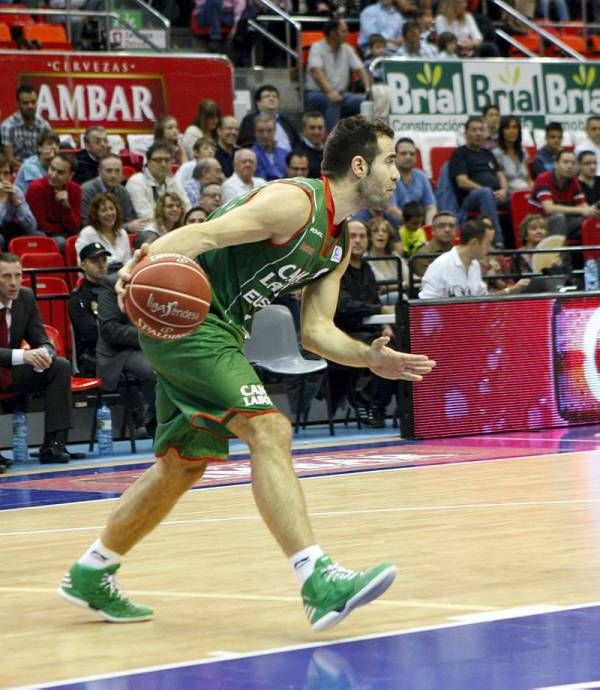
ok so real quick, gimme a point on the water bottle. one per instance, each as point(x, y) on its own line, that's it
point(104, 430)
point(590, 275)
point(20, 443)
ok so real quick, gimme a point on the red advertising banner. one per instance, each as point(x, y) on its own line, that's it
point(507, 365)
point(124, 92)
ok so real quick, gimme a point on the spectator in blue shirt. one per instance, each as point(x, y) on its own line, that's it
point(37, 166)
point(16, 217)
point(381, 18)
point(546, 156)
point(270, 158)
point(413, 184)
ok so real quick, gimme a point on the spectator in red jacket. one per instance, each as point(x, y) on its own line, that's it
point(55, 200)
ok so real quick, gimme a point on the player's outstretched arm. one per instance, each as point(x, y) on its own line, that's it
point(322, 336)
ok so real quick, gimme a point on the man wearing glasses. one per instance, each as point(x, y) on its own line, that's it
point(211, 197)
point(145, 188)
point(589, 181)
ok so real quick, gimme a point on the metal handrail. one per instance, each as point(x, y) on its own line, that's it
point(86, 13)
point(536, 28)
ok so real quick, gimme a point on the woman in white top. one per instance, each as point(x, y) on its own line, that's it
point(105, 225)
point(510, 154)
point(381, 244)
point(166, 129)
point(208, 118)
point(169, 213)
point(453, 16)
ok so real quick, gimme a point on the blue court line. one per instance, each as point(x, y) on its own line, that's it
point(519, 653)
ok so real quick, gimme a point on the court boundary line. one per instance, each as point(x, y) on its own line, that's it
point(299, 647)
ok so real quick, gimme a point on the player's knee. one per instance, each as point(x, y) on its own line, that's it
point(174, 465)
point(269, 430)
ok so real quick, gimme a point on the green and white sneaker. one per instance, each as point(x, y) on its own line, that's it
point(332, 592)
point(97, 589)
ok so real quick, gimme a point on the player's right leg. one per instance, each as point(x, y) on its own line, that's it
point(90, 582)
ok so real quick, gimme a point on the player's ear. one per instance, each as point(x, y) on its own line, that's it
point(359, 167)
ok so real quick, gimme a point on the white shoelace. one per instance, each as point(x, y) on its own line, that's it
point(337, 572)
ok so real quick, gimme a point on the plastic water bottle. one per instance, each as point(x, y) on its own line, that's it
point(590, 275)
point(20, 442)
point(104, 435)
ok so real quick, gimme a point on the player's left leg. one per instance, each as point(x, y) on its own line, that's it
point(329, 592)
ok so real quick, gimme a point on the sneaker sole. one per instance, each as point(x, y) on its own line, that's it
point(106, 616)
point(372, 590)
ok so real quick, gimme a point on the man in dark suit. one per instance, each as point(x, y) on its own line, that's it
point(37, 369)
point(95, 139)
point(266, 100)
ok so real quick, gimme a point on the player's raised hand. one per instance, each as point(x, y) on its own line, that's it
point(126, 272)
point(389, 364)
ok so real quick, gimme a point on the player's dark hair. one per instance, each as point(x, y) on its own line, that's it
point(352, 136)
point(9, 258)
point(472, 229)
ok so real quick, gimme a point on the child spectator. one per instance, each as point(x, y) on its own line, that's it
point(379, 89)
point(412, 234)
point(447, 45)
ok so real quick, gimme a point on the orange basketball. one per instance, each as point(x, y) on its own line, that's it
point(168, 296)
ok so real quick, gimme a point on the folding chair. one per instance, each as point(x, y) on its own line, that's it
point(273, 347)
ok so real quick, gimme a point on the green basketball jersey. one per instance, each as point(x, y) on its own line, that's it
point(247, 277)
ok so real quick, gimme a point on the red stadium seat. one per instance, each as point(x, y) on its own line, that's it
point(51, 36)
point(42, 260)
point(438, 155)
point(30, 244)
point(519, 208)
point(590, 235)
point(51, 294)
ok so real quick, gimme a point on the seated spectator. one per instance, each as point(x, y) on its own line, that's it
point(412, 234)
point(166, 129)
point(105, 227)
point(110, 176)
point(227, 136)
point(213, 14)
point(266, 100)
point(589, 180)
point(243, 179)
point(168, 215)
point(145, 188)
point(195, 215)
point(270, 158)
point(447, 46)
point(380, 93)
point(55, 200)
point(21, 131)
point(359, 298)
point(296, 164)
point(453, 16)
point(560, 7)
point(479, 183)
point(207, 171)
point(211, 197)
point(592, 143)
point(457, 273)
point(533, 229)
point(426, 23)
point(16, 217)
point(203, 148)
point(328, 74)
point(413, 184)
point(204, 125)
point(34, 370)
point(382, 18)
point(313, 140)
point(118, 352)
point(511, 156)
point(37, 166)
point(443, 234)
point(413, 46)
point(491, 123)
point(381, 246)
point(96, 146)
point(83, 305)
point(557, 195)
point(546, 156)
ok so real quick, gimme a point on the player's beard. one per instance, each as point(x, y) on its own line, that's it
point(371, 195)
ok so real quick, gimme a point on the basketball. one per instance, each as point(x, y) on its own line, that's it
point(168, 296)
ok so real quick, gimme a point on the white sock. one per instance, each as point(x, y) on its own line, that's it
point(303, 562)
point(98, 556)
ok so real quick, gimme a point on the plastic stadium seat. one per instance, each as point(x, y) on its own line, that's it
point(31, 244)
point(438, 155)
point(590, 235)
point(71, 252)
point(519, 208)
point(273, 347)
point(51, 36)
point(308, 38)
point(41, 260)
point(6, 39)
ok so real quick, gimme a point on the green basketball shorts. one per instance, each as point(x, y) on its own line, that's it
point(203, 381)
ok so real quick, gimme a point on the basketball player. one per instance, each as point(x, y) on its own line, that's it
point(282, 237)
